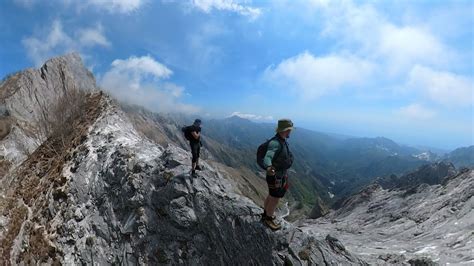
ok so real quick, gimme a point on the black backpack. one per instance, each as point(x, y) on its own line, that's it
point(187, 132)
point(262, 151)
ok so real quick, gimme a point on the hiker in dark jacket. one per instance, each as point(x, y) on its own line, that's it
point(278, 159)
point(195, 143)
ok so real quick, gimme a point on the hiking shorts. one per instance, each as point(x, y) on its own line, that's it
point(277, 186)
point(195, 150)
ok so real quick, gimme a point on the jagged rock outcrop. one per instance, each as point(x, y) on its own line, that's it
point(319, 209)
point(27, 96)
point(414, 226)
point(112, 196)
point(430, 174)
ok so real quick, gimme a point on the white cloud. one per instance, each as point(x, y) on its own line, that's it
point(397, 49)
point(405, 46)
point(366, 32)
point(41, 49)
point(442, 87)
point(141, 81)
point(93, 36)
point(416, 111)
point(251, 116)
point(227, 5)
point(57, 41)
point(138, 68)
point(312, 77)
point(116, 6)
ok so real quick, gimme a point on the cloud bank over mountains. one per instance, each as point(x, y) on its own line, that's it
point(383, 67)
point(144, 81)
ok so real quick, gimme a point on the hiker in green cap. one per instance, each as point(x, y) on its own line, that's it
point(276, 161)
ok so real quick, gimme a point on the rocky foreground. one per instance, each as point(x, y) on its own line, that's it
point(432, 224)
point(107, 195)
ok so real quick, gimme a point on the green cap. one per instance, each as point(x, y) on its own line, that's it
point(284, 125)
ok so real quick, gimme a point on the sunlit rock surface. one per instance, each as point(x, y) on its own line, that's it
point(393, 226)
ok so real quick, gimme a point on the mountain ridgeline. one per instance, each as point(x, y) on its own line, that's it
point(461, 157)
point(327, 167)
point(87, 180)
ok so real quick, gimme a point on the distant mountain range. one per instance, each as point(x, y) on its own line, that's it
point(430, 174)
point(327, 166)
point(461, 157)
point(324, 163)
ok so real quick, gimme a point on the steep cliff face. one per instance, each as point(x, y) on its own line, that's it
point(27, 97)
point(419, 223)
point(112, 196)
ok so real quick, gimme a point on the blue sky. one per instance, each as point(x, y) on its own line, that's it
point(401, 69)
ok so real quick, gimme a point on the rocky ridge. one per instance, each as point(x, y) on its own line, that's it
point(124, 199)
point(113, 196)
point(430, 223)
point(430, 174)
point(28, 95)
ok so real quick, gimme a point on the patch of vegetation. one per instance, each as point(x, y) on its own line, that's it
point(304, 254)
point(40, 248)
point(40, 175)
point(17, 214)
point(4, 166)
point(167, 176)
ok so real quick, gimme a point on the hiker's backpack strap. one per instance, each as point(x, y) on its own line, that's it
point(280, 149)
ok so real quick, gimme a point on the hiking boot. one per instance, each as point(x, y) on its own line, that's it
point(264, 214)
point(198, 168)
point(193, 173)
point(270, 222)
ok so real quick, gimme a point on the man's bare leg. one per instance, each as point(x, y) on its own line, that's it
point(271, 205)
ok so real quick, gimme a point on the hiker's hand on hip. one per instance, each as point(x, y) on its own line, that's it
point(271, 171)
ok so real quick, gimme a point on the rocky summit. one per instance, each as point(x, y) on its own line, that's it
point(27, 96)
point(106, 194)
point(98, 191)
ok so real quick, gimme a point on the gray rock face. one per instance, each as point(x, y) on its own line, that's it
point(424, 225)
point(319, 210)
point(126, 200)
point(29, 94)
point(146, 208)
